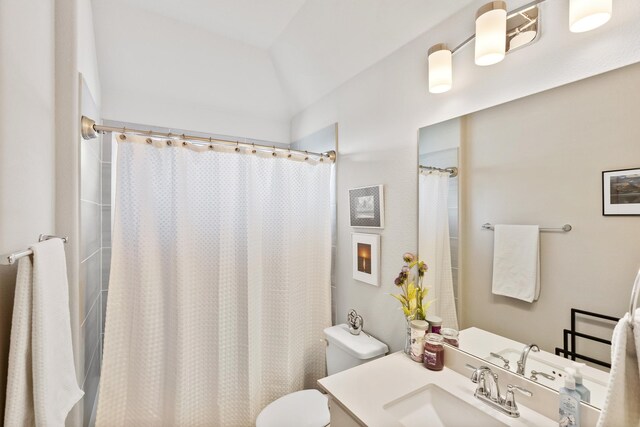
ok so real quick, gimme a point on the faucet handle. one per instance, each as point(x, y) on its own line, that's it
point(522, 390)
point(510, 399)
point(504, 360)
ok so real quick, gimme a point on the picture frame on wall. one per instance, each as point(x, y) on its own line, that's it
point(621, 192)
point(366, 206)
point(366, 258)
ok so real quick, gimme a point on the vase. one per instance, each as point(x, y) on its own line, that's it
point(407, 340)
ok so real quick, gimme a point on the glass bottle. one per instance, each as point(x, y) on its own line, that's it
point(450, 336)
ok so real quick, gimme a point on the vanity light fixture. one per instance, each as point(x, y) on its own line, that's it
point(491, 27)
point(440, 68)
point(586, 15)
point(499, 32)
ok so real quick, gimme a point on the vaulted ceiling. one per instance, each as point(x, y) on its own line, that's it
point(262, 58)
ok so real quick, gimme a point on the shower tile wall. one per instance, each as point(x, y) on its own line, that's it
point(90, 257)
point(95, 252)
point(325, 140)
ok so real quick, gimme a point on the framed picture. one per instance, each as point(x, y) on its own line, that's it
point(366, 258)
point(621, 192)
point(367, 207)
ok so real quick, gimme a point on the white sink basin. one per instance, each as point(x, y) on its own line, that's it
point(436, 407)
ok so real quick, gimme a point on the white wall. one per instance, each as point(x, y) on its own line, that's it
point(27, 141)
point(380, 110)
point(86, 47)
point(163, 72)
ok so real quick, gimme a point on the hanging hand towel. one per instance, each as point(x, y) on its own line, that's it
point(516, 261)
point(41, 385)
point(621, 404)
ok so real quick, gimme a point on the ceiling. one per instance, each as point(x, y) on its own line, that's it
point(262, 58)
point(255, 22)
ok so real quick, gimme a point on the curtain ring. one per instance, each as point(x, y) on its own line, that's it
point(237, 146)
point(274, 151)
point(289, 156)
point(149, 140)
point(253, 151)
point(307, 155)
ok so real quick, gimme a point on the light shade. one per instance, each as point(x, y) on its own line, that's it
point(440, 69)
point(586, 15)
point(491, 33)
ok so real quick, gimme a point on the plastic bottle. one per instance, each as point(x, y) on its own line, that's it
point(585, 393)
point(569, 405)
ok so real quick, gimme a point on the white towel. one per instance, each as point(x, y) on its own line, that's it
point(622, 404)
point(516, 261)
point(41, 385)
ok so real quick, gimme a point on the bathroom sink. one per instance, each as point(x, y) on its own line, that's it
point(436, 407)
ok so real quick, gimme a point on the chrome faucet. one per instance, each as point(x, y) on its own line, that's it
point(487, 381)
point(488, 391)
point(523, 357)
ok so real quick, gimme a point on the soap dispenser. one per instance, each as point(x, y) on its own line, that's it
point(585, 393)
point(569, 410)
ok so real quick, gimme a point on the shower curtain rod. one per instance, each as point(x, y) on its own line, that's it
point(90, 130)
point(453, 171)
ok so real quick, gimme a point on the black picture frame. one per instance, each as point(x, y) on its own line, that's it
point(621, 192)
point(366, 207)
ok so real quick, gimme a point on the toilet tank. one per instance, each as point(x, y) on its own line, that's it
point(345, 350)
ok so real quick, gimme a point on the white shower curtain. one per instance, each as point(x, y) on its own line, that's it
point(434, 244)
point(220, 285)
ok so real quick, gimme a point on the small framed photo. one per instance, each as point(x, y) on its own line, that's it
point(367, 207)
point(366, 258)
point(621, 192)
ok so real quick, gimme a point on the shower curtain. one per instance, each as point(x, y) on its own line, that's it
point(220, 284)
point(434, 244)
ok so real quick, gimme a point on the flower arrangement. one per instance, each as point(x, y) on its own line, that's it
point(413, 293)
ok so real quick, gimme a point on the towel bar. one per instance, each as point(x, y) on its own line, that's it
point(565, 228)
point(11, 258)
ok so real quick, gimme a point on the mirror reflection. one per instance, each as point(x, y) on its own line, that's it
point(497, 190)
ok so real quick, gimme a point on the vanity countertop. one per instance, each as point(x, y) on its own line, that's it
point(366, 389)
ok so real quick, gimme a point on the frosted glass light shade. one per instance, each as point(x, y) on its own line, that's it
point(586, 15)
point(491, 33)
point(440, 69)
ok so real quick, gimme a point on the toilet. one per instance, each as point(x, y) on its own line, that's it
point(309, 408)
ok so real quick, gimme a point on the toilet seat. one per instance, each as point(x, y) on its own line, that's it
point(306, 408)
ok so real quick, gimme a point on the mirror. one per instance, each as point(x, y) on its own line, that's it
point(539, 161)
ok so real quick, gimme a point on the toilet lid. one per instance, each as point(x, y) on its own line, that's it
point(306, 408)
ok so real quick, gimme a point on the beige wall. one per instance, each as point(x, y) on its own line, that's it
point(538, 160)
point(380, 110)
